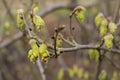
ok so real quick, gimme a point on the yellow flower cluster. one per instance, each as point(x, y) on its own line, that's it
point(36, 51)
point(106, 29)
point(79, 13)
point(37, 20)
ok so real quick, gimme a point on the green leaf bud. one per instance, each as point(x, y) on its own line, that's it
point(39, 22)
point(108, 41)
point(30, 53)
point(98, 19)
point(103, 27)
point(20, 21)
point(59, 43)
point(80, 16)
point(35, 8)
point(79, 13)
point(42, 48)
point(93, 54)
point(112, 27)
point(45, 56)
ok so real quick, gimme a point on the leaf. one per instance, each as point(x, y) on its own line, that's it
point(60, 74)
point(112, 27)
point(103, 27)
point(98, 19)
point(108, 41)
point(39, 22)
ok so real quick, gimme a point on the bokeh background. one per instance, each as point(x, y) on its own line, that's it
point(14, 63)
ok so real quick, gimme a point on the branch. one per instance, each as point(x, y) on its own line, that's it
point(42, 14)
point(41, 69)
point(78, 47)
point(112, 63)
point(118, 24)
point(2, 25)
point(12, 39)
point(116, 9)
point(67, 41)
point(54, 8)
point(100, 59)
point(9, 11)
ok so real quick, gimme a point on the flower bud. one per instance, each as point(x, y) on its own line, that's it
point(39, 22)
point(93, 54)
point(112, 27)
point(20, 21)
point(42, 48)
point(98, 19)
point(35, 8)
point(79, 13)
point(108, 41)
point(59, 42)
point(80, 16)
point(30, 53)
point(103, 27)
point(32, 56)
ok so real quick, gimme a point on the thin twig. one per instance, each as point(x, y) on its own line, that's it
point(2, 25)
point(27, 26)
point(71, 27)
point(112, 63)
point(9, 11)
point(118, 24)
point(41, 69)
point(116, 9)
point(78, 47)
point(67, 41)
point(54, 8)
point(55, 43)
point(12, 39)
point(99, 65)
